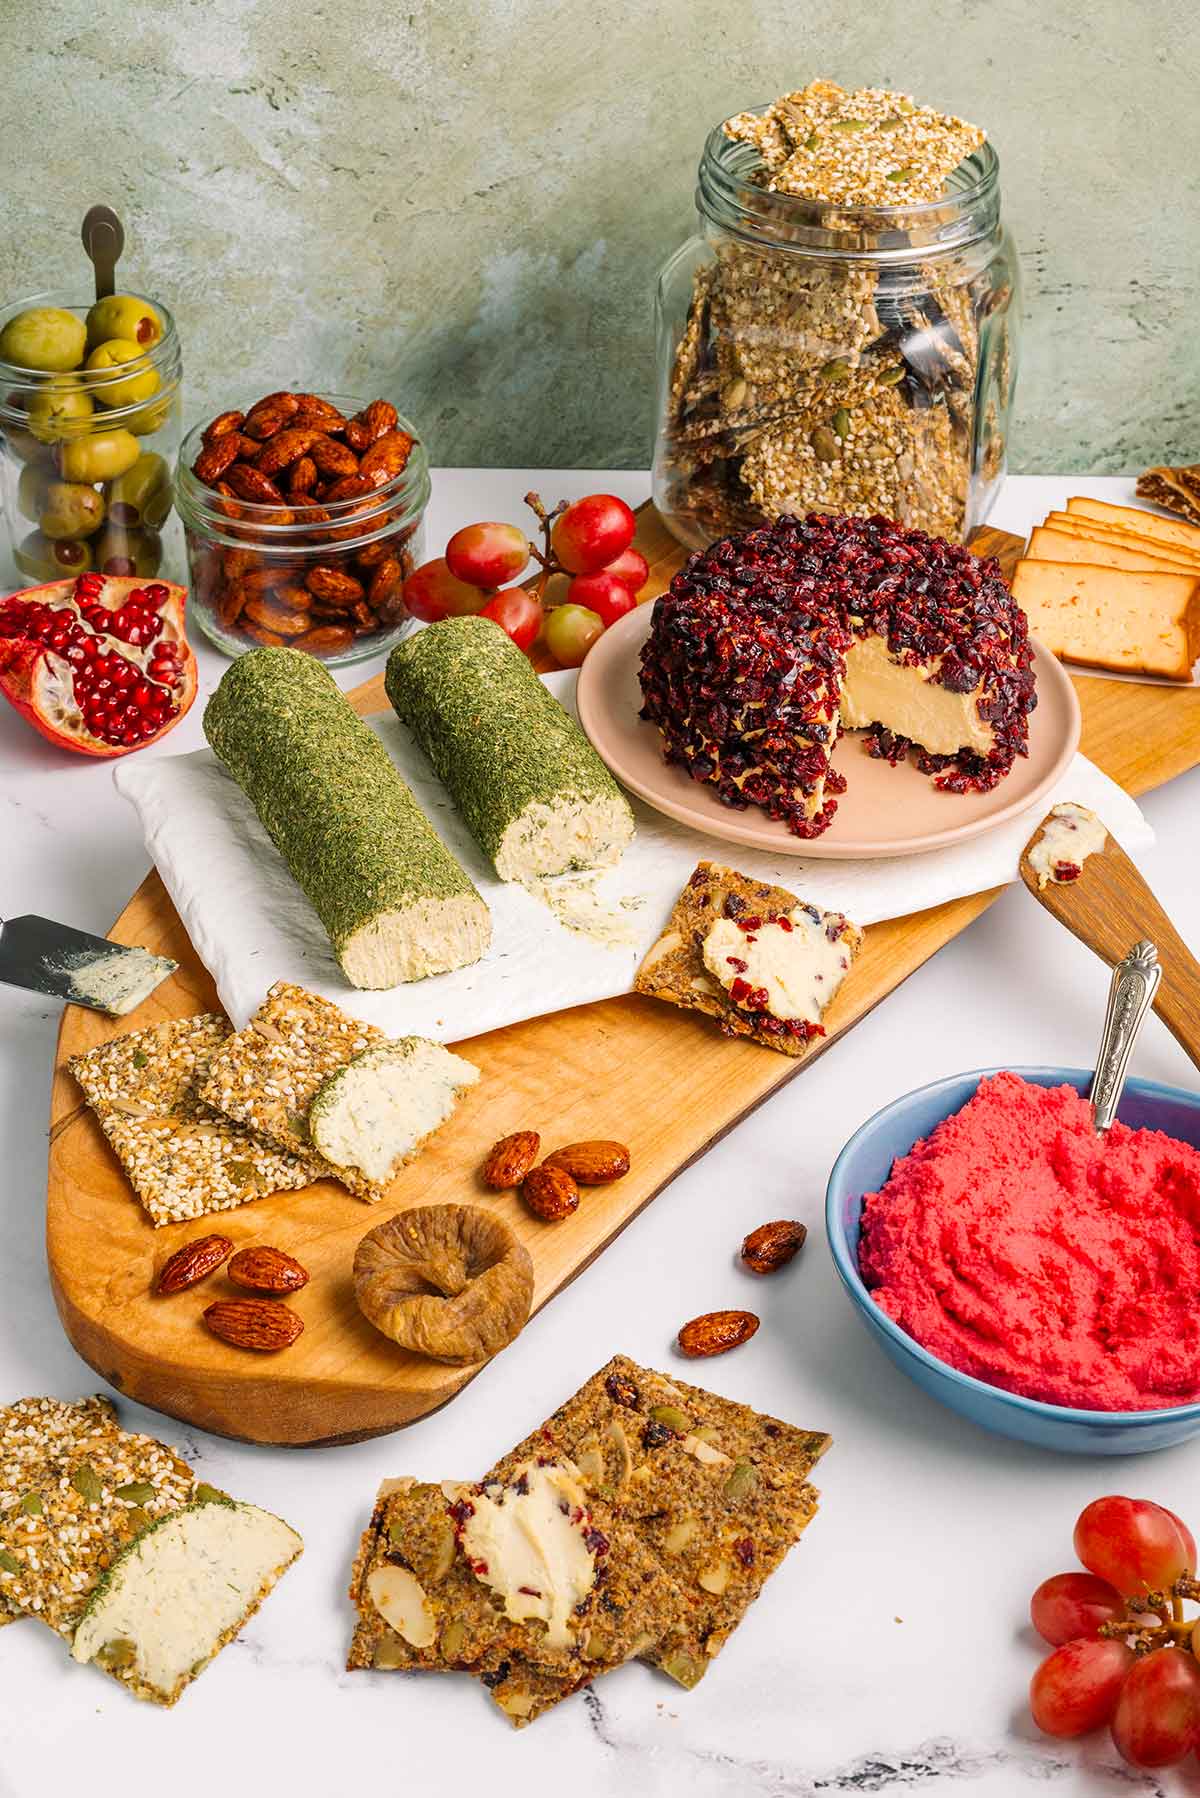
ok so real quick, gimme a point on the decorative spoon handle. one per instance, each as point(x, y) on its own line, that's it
point(1134, 984)
point(103, 239)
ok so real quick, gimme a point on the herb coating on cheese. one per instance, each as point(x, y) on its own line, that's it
point(531, 789)
point(395, 903)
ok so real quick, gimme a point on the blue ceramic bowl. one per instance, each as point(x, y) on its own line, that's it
point(864, 1165)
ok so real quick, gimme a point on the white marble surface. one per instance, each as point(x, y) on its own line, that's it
point(891, 1652)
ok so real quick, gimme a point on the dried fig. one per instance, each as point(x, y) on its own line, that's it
point(448, 1281)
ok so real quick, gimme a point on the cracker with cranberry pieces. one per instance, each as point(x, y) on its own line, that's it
point(716, 1491)
point(182, 1158)
point(266, 1076)
point(762, 962)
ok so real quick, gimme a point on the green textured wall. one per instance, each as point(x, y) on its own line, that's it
point(463, 205)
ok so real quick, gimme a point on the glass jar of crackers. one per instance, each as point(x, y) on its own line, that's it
point(840, 334)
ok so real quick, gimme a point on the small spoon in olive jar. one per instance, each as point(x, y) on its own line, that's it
point(103, 238)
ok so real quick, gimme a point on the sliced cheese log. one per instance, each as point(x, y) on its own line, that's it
point(531, 789)
point(1091, 531)
point(1136, 518)
point(376, 1113)
point(1049, 545)
point(1113, 618)
point(180, 1591)
point(395, 903)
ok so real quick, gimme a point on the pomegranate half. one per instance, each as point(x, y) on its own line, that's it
point(100, 664)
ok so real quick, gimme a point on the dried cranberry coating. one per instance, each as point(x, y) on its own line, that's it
point(743, 667)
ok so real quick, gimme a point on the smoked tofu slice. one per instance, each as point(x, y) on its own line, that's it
point(1091, 531)
point(1135, 518)
point(180, 1591)
point(1049, 544)
point(1113, 618)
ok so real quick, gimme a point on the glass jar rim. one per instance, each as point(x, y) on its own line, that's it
point(728, 196)
point(201, 507)
point(67, 300)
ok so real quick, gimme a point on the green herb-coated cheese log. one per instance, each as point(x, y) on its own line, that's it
point(394, 901)
point(531, 789)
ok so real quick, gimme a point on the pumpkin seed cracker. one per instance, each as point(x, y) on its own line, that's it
point(716, 1491)
point(266, 1076)
point(181, 1157)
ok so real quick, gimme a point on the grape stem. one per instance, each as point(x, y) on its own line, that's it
point(545, 556)
point(1173, 1629)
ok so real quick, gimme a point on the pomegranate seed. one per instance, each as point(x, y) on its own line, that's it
point(100, 619)
point(155, 594)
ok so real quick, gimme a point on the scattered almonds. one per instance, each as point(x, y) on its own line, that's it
point(510, 1159)
point(193, 1262)
point(717, 1332)
point(550, 1192)
point(772, 1246)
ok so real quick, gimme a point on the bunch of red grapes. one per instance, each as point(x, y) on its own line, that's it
point(590, 543)
point(1124, 1653)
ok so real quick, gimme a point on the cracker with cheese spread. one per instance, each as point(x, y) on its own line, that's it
point(762, 962)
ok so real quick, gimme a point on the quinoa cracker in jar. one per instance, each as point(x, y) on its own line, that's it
point(840, 334)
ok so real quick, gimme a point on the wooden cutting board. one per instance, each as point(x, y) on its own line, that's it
point(342, 1381)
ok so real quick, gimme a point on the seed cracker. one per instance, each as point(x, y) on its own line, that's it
point(74, 1489)
point(717, 1491)
point(181, 1157)
point(674, 969)
point(411, 1527)
point(267, 1075)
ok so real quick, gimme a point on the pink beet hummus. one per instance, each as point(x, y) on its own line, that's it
point(1017, 1245)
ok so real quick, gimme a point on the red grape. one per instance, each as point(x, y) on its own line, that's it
point(432, 592)
point(1073, 1604)
point(1158, 1712)
point(570, 633)
point(1189, 1541)
point(592, 532)
point(631, 567)
point(1077, 1687)
point(1135, 1545)
point(605, 593)
point(487, 555)
point(517, 612)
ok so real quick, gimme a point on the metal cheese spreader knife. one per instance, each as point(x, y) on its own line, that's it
point(1134, 984)
point(45, 957)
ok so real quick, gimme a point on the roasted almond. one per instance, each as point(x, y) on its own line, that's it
point(265, 1269)
point(333, 459)
point(222, 424)
point(510, 1159)
point(385, 458)
point(550, 1193)
point(592, 1163)
point(717, 1332)
point(285, 447)
point(302, 477)
point(270, 415)
point(215, 458)
point(772, 1246)
point(194, 1261)
point(333, 585)
point(260, 1324)
point(250, 485)
point(371, 423)
point(324, 640)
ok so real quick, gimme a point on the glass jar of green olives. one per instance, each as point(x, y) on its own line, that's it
point(90, 411)
point(317, 567)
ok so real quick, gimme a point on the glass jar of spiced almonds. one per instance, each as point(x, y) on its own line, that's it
point(841, 333)
point(318, 568)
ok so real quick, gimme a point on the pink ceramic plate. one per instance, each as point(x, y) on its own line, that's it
point(884, 810)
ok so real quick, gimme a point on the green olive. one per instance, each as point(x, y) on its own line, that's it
point(148, 419)
point(60, 409)
point(45, 337)
point(71, 510)
point(123, 315)
point(101, 457)
point(143, 495)
point(126, 552)
point(43, 560)
point(131, 391)
point(32, 486)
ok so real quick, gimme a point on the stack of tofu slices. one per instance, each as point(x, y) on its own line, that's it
point(1114, 587)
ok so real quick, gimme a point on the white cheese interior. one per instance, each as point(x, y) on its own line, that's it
point(800, 968)
point(878, 690)
point(1072, 834)
point(573, 833)
point(431, 937)
point(529, 1546)
point(180, 1589)
point(374, 1113)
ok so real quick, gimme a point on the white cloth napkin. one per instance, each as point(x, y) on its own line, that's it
point(251, 925)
